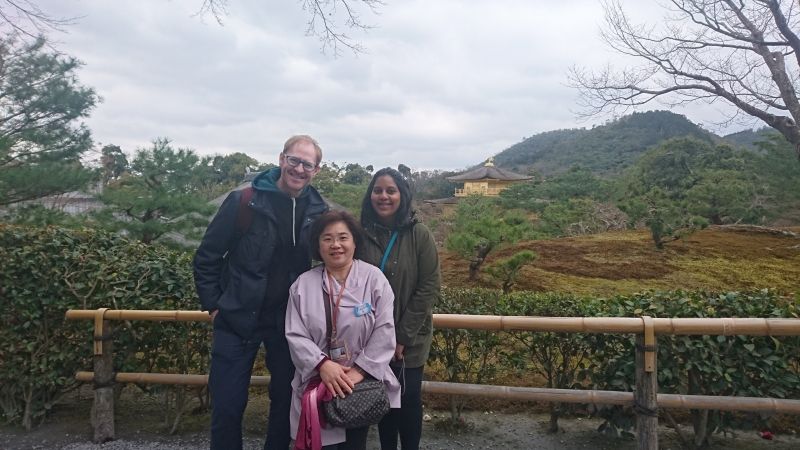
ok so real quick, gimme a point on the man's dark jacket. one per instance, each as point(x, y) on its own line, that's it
point(231, 268)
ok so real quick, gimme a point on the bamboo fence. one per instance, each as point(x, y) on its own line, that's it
point(645, 396)
point(674, 326)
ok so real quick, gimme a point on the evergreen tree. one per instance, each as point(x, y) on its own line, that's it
point(506, 271)
point(356, 175)
point(775, 167)
point(114, 162)
point(480, 227)
point(158, 194)
point(221, 173)
point(684, 184)
point(41, 139)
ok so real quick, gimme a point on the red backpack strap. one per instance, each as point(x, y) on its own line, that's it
point(244, 215)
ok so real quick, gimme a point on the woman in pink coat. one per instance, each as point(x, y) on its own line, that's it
point(362, 325)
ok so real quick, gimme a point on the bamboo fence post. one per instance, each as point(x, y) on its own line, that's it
point(102, 417)
point(645, 395)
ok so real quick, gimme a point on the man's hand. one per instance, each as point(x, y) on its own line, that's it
point(213, 314)
point(398, 352)
point(335, 378)
point(355, 373)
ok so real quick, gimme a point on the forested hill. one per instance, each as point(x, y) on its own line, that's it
point(747, 139)
point(605, 150)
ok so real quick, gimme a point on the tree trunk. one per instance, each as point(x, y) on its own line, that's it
point(454, 409)
point(554, 414)
point(27, 415)
point(474, 269)
point(700, 425)
point(481, 250)
point(699, 417)
point(656, 232)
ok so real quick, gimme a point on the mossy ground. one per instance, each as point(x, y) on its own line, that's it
point(624, 262)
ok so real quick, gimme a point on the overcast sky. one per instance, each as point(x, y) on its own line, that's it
point(442, 85)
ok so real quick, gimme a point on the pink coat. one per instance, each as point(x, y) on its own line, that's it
point(370, 337)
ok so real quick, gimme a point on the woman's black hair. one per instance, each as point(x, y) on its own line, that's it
point(328, 218)
point(403, 214)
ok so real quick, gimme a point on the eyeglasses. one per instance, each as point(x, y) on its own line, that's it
point(295, 161)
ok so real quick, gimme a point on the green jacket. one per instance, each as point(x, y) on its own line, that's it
point(413, 272)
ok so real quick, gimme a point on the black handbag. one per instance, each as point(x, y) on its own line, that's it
point(366, 405)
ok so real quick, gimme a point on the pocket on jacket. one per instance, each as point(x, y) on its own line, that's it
point(426, 327)
point(230, 300)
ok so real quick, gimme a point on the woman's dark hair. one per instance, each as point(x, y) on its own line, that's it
point(403, 213)
point(331, 217)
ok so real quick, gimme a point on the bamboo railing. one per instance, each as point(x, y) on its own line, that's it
point(645, 397)
point(632, 325)
point(671, 401)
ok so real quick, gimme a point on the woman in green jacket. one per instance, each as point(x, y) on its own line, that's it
point(404, 249)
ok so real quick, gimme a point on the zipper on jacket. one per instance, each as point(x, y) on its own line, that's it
point(294, 240)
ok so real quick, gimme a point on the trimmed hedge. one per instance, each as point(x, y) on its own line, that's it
point(466, 356)
point(709, 365)
point(46, 271)
point(751, 366)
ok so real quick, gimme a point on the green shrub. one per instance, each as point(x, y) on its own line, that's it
point(704, 365)
point(556, 357)
point(505, 271)
point(466, 356)
point(46, 271)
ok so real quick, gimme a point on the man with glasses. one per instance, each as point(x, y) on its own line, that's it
point(253, 250)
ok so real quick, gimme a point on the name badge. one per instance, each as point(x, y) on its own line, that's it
point(339, 351)
point(363, 309)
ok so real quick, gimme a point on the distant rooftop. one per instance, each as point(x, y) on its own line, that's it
point(488, 170)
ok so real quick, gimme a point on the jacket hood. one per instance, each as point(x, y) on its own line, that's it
point(267, 181)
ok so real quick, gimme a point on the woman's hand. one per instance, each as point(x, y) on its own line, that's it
point(355, 373)
point(398, 352)
point(335, 378)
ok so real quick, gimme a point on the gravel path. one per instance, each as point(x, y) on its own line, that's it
point(140, 426)
point(487, 431)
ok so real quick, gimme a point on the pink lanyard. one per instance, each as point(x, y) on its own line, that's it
point(335, 312)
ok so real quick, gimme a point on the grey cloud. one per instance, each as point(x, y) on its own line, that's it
point(443, 84)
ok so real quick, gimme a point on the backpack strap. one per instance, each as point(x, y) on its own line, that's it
point(244, 214)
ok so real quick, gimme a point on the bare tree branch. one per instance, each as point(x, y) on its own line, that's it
point(327, 19)
point(216, 8)
point(783, 26)
point(706, 50)
point(26, 19)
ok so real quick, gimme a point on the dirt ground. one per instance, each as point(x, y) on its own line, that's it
point(623, 262)
point(140, 425)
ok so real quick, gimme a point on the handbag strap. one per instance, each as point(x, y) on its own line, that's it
point(327, 300)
